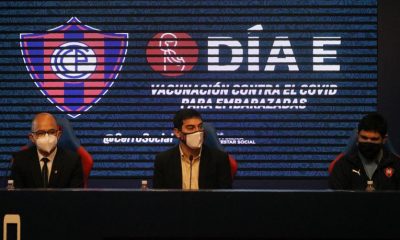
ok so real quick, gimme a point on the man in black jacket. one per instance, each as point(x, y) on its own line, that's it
point(44, 165)
point(191, 164)
point(370, 166)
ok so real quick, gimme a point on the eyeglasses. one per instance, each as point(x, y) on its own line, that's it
point(42, 133)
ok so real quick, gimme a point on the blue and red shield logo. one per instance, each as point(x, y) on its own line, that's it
point(74, 65)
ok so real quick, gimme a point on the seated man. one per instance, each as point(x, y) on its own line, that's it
point(44, 165)
point(370, 166)
point(191, 164)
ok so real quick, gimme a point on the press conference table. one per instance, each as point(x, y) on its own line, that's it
point(132, 214)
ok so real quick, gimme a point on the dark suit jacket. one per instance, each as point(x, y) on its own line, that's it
point(66, 171)
point(214, 169)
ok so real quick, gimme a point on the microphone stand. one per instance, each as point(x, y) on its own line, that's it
point(190, 180)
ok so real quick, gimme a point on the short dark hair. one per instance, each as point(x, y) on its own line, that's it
point(183, 115)
point(373, 122)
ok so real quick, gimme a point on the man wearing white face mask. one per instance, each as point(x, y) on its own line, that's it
point(44, 165)
point(191, 164)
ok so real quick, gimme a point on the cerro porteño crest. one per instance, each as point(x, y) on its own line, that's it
point(74, 65)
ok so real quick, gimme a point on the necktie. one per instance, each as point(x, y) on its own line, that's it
point(45, 172)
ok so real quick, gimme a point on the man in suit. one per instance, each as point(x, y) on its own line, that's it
point(191, 164)
point(44, 165)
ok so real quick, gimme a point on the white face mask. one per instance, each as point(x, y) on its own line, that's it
point(195, 140)
point(46, 143)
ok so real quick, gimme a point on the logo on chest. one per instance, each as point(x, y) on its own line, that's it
point(389, 172)
point(356, 171)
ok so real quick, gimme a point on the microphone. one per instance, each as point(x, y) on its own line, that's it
point(190, 181)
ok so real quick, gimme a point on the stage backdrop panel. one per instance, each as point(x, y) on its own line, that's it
point(283, 82)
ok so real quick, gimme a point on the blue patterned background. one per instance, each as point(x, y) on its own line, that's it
point(288, 142)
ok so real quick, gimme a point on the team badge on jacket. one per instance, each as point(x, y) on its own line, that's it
point(389, 172)
point(74, 65)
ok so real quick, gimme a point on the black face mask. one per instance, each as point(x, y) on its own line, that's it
point(369, 150)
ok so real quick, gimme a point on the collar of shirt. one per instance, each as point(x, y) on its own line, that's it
point(186, 159)
point(50, 157)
